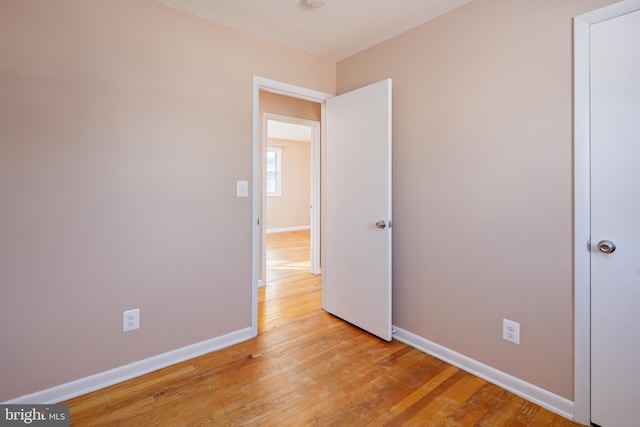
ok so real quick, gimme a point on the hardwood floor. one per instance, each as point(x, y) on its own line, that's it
point(307, 368)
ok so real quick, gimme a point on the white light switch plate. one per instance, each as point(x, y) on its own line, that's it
point(242, 188)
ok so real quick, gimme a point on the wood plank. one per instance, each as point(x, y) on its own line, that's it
point(307, 367)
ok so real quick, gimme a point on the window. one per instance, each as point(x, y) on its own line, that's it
point(274, 171)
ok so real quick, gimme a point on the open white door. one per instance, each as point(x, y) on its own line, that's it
point(357, 264)
point(615, 231)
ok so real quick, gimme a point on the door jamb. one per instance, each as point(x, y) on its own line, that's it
point(261, 83)
point(314, 190)
point(582, 201)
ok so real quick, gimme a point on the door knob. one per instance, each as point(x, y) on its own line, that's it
point(381, 224)
point(607, 246)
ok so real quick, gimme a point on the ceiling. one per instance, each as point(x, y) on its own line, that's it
point(336, 31)
point(290, 131)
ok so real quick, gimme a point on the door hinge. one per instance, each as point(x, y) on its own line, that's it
point(589, 245)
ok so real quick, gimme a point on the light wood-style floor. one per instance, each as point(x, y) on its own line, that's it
point(307, 368)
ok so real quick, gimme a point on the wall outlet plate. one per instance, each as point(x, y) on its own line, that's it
point(511, 331)
point(131, 320)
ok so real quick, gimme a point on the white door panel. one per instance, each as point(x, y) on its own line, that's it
point(357, 268)
point(615, 214)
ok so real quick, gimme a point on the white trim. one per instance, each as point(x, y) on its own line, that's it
point(283, 89)
point(611, 11)
point(533, 393)
point(123, 373)
point(321, 216)
point(315, 200)
point(285, 229)
point(287, 89)
point(582, 201)
point(582, 225)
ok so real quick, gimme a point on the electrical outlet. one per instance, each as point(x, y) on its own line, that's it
point(130, 320)
point(511, 331)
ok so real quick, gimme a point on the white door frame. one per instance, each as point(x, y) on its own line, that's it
point(582, 200)
point(314, 190)
point(261, 83)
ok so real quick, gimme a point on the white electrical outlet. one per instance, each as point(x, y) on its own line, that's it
point(511, 331)
point(130, 320)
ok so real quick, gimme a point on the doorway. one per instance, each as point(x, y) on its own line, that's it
point(291, 199)
point(290, 202)
point(360, 122)
point(258, 242)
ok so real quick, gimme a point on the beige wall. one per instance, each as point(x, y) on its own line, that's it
point(291, 208)
point(287, 106)
point(124, 125)
point(483, 180)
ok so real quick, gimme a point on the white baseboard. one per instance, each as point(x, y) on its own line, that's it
point(535, 394)
point(285, 229)
point(261, 283)
point(113, 376)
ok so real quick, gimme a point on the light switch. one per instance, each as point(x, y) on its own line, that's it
point(243, 188)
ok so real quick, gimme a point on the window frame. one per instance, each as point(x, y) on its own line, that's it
point(277, 172)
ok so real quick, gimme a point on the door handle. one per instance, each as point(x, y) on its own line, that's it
point(606, 246)
point(381, 224)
